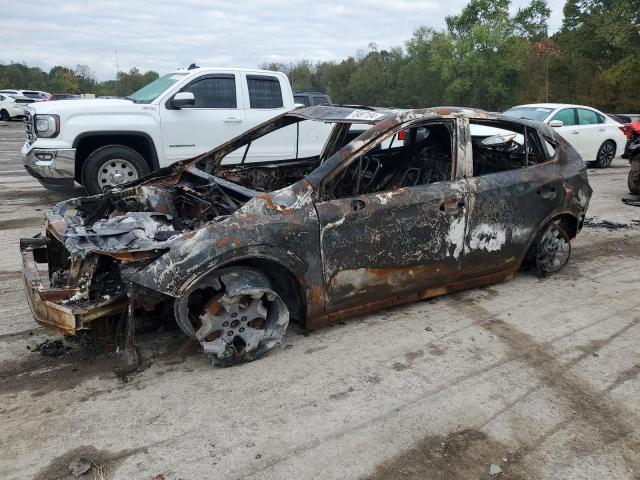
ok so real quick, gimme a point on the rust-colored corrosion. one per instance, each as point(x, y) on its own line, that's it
point(371, 221)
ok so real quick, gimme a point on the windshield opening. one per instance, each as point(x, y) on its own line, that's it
point(269, 157)
point(537, 114)
point(150, 92)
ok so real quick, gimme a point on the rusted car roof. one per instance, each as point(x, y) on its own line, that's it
point(372, 115)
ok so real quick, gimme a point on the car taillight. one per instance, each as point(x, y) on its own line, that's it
point(630, 128)
point(626, 129)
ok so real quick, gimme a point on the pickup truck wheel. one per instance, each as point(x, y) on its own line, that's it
point(234, 314)
point(606, 153)
point(553, 249)
point(4, 116)
point(110, 166)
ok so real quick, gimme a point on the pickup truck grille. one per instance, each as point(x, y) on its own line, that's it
point(28, 126)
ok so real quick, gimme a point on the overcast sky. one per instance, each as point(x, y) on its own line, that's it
point(166, 34)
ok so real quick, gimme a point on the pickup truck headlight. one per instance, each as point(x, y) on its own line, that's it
point(47, 126)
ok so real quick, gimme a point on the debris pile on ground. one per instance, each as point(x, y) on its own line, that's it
point(633, 200)
point(593, 223)
point(52, 348)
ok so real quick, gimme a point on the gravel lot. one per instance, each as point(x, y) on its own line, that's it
point(538, 377)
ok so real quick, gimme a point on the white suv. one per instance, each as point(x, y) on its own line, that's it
point(106, 142)
point(595, 136)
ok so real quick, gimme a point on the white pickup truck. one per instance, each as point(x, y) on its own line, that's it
point(106, 142)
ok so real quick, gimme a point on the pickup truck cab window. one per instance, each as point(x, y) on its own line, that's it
point(214, 91)
point(264, 91)
point(150, 92)
point(302, 99)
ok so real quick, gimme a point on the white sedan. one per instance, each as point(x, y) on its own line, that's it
point(12, 106)
point(595, 136)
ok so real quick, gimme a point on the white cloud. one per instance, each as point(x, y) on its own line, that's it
point(166, 34)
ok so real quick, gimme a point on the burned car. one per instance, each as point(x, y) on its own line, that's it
point(400, 205)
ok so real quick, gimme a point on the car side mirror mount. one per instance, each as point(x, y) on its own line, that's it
point(556, 123)
point(183, 99)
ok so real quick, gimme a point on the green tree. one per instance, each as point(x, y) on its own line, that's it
point(63, 80)
point(86, 79)
point(127, 83)
point(482, 54)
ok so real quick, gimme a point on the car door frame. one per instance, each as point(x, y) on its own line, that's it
point(569, 132)
point(281, 147)
point(201, 118)
point(359, 285)
point(592, 135)
point(499, 250)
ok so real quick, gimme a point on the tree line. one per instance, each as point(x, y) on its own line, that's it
point(485, 57)
point(80, 79)
point(488, 58)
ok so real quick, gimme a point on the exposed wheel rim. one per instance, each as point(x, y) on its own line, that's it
point(116, 172)
point(239, 321)
point(607, 152)
point(553, 250)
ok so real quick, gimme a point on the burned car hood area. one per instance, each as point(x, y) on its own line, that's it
point(399, 205)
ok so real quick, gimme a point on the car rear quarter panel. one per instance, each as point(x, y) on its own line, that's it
point(576, 194)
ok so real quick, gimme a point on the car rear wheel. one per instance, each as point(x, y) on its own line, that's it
point(4, 116)
point(111, 166)
point(553, 249)
point(234, 314)
point(606, 154)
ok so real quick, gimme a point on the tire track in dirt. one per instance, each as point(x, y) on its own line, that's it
point(611, 421)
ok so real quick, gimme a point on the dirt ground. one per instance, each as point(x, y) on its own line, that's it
point(529, 379)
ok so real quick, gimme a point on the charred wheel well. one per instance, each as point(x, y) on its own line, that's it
point(142, 143)
point(283, 282)
point(569, 224)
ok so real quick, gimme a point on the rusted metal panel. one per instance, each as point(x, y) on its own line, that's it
point(56, 308)
point(396, 241)
point(346, 253)
point(422, 294)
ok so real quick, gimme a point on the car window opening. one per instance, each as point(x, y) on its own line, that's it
point(418, 156)
point(500, 146)
point(260, 174)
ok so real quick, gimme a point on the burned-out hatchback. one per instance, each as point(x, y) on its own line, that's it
point(400, 205)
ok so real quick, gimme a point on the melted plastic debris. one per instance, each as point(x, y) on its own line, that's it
point(133, 230)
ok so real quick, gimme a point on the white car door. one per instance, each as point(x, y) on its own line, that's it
point(217, 116)
point(312, 137)
point(592, 133)
point(569, 129)
point(264, 100)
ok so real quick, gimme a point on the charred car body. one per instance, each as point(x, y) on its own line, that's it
point(421, 203)
point(632, 153)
